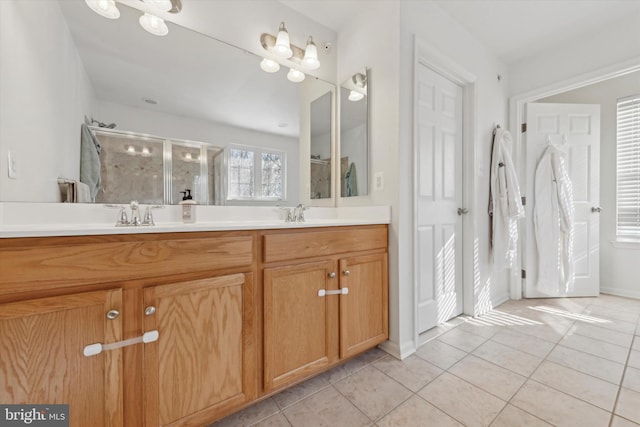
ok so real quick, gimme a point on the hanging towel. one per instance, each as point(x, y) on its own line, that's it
point(553, 222)
point(89, 161)
point(351, 179)
point(505, 203)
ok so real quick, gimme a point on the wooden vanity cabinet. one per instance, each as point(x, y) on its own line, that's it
point(325, 299)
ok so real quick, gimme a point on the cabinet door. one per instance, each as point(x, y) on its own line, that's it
point(300, 327)
point(364, 312)
point(42, 360)
point(201, 366)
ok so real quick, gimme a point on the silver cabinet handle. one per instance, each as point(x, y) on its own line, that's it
point(462, 211)
point(332, 275)
point(342, 291)
point(149, 310)
point(97, 348)
point(346, 272)
point(113, 314)
point(596, 209)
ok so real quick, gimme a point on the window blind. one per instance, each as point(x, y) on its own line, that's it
point(628, 167)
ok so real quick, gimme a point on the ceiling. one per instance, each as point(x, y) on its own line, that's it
point(511, 29)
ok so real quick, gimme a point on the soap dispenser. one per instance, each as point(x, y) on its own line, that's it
point(188, 207)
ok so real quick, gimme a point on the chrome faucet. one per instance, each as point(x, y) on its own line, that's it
point(135, 214)
point(298, 213)
point(123, 219)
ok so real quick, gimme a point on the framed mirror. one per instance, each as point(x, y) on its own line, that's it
point(206, 114)
point(354, 135)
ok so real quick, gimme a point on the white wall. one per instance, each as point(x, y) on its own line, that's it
point(176, 127)
point(614, 43)
point(45, 95)
point(619, 266)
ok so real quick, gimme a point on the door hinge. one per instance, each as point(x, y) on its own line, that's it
point(524, 200)
point(523, 274)
point(523, 128)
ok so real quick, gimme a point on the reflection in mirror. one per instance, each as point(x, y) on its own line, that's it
point(320, 183)
point(354, 135)
point(197, 107)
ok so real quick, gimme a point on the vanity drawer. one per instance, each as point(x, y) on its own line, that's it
point(297, 244)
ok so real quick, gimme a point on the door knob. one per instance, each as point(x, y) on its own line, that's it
point(596, 209)
point(462, 211)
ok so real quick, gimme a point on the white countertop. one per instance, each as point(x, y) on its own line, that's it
point(62, 219)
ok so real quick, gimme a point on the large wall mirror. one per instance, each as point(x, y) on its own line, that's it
point(169, 113)
point(354, 135)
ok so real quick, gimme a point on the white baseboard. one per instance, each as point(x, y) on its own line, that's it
point(399, 352)
point(620, 292)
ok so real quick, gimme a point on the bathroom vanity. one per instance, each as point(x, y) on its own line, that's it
point(184, 328)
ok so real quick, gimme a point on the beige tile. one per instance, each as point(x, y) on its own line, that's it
point(463, 401)
point(512, 417)
point(277, 420)
point(595, 347)
point(373, 392)
point(507, 357)
point(440, 354)
point(325, 408)
point(612, 314)
point(587, 363)
point(619, 326)
point(627, 406)
point(414, 413)
point(636, 343)
point(545, 332)
point(296, 393)
point(371, 356)
point(496, 380)
point(463, 340)
point(250, 415)
point(480, 328)
point(621, 422)
point(412, 372)
point(603, 334)
point(634, 359)
point(558, 408)
point(523, 342)
point(344, 370)
point(582, 386)
point(632, 379)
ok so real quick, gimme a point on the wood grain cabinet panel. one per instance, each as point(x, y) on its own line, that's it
point(42, 360)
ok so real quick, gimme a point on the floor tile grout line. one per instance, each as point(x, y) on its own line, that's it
point(624, 373)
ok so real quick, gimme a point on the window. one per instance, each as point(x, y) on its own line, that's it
point(628, 163)
point(256, 174)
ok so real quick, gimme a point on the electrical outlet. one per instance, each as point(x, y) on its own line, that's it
point(378, 181)
point(12, 165)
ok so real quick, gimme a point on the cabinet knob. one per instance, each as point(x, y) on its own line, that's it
point(346, 272)
point(332, 275)
point(113, 314)
point(149, 310)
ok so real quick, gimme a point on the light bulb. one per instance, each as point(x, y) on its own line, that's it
point(310, 60)
point(131, 150)
point(163, 5)
point(269, 65)
point(154, 25)
point(188, 156)
point(106, 8)
point(145, 151)
point(355, 95)
point(295, 76)
point(283, 47)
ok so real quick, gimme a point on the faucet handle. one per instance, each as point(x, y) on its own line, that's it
point(288, 215)
point(135, 213)
point(148, 215)
point(122, 220)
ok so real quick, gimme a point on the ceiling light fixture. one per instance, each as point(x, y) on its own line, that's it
point(106, 8)
point(280, 49)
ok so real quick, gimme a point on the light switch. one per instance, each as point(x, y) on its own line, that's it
point(12, 165)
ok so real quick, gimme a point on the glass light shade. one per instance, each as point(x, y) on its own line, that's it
point(163, 5)
point(355, 95)
point(154, 25)
point(106, 8)
point(269, 65)
point(310, 60)
point(295, 76)
point(283, 47)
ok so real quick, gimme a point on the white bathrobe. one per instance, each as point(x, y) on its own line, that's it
point(553, 223)
point(505, 204)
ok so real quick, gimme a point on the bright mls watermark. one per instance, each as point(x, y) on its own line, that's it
point(34, 415)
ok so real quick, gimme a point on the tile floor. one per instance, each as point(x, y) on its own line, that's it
point(560, 362)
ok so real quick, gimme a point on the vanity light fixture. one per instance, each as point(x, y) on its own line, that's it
point(162, 5)
point(310, 60)
point(355, 96)
point(154, 25)
point(295, 76)
point(106, 8)
point(359, 87)
point(282, 47)
point(269, 65)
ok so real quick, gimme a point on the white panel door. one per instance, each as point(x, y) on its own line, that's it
point(580, 123)
point(438, 195)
